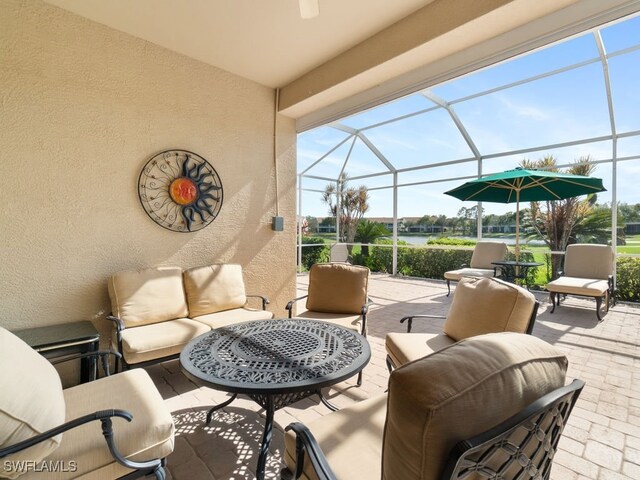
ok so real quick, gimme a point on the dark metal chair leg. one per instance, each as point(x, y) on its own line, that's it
point(553, 296)
point(598, 306)
point(389, 363)
point(448, 287)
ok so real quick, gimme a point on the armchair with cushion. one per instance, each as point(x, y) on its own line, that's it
point(337, 294)
point(479, 306)
point(113, 427)
point(493, 403)
point(588, 272)
point(480, 266)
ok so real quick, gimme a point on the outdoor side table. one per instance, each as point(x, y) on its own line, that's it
point(513, 270)
point(275, 363)
point(55, 340)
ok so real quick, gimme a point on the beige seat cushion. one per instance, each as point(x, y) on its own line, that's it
point(406, 347)
point(236, 315)
point(468, 272)
point(579, 286)
point(142, 297)
point(459, 392)
point(351, 439)
point(31, 401)
point(488, 305)
point(149, 342)
point(337, 288)
point(149, 435)
point(352, 322)
point(486, 252)
point(214, 288)
point(584, 260)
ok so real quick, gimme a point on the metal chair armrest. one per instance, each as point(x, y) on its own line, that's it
point(291, 302)
point(306, 442)
point(265, 300)
point(103, 354)
point(107, 431)
point(120, 326)
point(411, 317)
point(365, 307)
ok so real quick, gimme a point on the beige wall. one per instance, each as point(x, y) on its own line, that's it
point(82, 108)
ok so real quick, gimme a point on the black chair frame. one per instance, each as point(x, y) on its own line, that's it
point(522, 446)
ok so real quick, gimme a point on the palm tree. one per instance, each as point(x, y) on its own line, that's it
point(352, 205)
point(557, 222)
point(368, 232)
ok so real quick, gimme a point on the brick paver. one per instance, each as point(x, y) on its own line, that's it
point(601, 441)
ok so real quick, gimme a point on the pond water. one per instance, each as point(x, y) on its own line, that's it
point(422, 239)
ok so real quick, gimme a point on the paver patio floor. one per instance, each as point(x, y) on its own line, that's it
point(600, 442)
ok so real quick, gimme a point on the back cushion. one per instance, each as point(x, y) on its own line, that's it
point(31, 401)
point(214, 288)
point(337, 288)
point(488, 305)
point(152, 295)
point(588, 261)
point(486, 252)
point(459, 392)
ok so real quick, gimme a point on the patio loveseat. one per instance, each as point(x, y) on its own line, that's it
point(157, 311)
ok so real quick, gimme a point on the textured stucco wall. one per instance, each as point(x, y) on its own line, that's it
point(82, 108)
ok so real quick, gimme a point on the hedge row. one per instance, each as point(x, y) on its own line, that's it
point(432, 263)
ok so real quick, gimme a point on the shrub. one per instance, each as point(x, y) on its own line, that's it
point(433, 263)
point(628, 279)
point(458, 242)
point(417, 262)
point(532, 273)
point(315, 254)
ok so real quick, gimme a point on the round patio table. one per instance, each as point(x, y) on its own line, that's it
point(275, 363)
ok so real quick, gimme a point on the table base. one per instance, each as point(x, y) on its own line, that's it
point(270, 403)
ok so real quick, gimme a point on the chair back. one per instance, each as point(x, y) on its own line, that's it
point(214, 288)
point(489, 305)
point(31, 402)
point(486, 252)
point(584, 260)
point(532, 436)
point(459, 392)
point(151, 295)
point(337, 288)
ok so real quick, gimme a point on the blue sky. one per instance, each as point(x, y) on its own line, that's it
point(564, 107)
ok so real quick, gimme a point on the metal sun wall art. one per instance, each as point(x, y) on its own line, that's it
point(180, 191)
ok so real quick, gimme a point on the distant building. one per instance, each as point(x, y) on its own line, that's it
point(632, 228)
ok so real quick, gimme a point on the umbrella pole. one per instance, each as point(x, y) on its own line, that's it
point(517, 249)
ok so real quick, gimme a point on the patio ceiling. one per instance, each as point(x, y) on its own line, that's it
point(368, 47)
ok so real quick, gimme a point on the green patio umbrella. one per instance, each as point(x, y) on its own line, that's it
point(521, 185)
